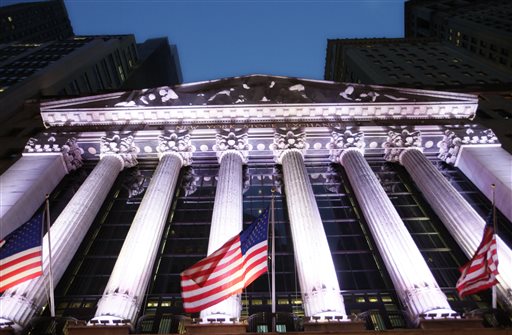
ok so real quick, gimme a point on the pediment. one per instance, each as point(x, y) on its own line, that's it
point(231, 95)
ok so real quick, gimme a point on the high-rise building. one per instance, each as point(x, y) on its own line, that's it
point(427, 64)
point(371, 216)
point(158, 65)
point(75, 66)
point(483, 28)
point(34, 22)
point(411, 62)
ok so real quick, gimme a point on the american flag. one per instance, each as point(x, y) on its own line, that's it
point(481, 271)
point(228, 270)
point(20, 254)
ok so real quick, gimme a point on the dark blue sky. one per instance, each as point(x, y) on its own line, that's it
point(225, 38)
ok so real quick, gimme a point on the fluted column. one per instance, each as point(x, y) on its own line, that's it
point(478, 154)
point(414, 283)
point(317, 276)
point(227, 217)
point(463, 222)
point(125, 289)
point(23, 187)
point(21, 302)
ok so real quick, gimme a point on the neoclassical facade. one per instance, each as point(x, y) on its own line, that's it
point(381, 194)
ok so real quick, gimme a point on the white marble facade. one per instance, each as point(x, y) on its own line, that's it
point(327, 123)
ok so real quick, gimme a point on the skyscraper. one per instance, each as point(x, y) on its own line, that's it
point(34, 22)
point(481, 27)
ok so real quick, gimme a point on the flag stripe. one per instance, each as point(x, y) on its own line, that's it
point(481, 271)
point(236, 264)
point(19, 266)
point(17, 275)
point(21, 253)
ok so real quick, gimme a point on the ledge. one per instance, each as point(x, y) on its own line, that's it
point(216, 328)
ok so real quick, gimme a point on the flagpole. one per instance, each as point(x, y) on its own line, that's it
point(495, 226)
point(273, 266)
point(52, 297)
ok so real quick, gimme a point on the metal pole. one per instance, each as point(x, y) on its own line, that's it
point(495, 226)
point(52, 297)
point(273, 265)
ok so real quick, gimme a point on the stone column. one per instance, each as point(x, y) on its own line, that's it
point(317, 276)
point(471, 151)
point(227, 217)
point(21, 302)
point(463, 222)
point(23, 187)
point(124, 293)
point(414, 283)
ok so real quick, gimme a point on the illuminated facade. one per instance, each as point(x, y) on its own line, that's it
point(372, 218)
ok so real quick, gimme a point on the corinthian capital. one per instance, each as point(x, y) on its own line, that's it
point(342, 139)
point(396, 143)
point(121, 147)
point(232, 140)
point(53, 143)
point(72, 154)
point(286, 139)
point(178, 143)
point(453, 140)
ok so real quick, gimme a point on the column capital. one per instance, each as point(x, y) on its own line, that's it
point(288, 139)
point(398, 142)
point(176, 143)
point(454, 139)
point(232, 140)
point(343, 139)
point(120, 146)
point(51, 143)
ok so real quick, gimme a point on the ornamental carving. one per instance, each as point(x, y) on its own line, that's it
point(178, 143)
point(454, 139)
point(52, 143)
point(332, 179)
point(288, 139)
point(189, 181)
point(232, 140)
point(72, 154)
point(278, 178)
point(135, 185)
point(258, 89)
point(345, 139)
point(122, 147)
point(396, 143)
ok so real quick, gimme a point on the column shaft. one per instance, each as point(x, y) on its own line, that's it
point(317, 275)
point(125, 289)
point(24, 185)
point(484, 166)
point(413, 281)
point(463, 222)
point(20, 303)
point(227, 220)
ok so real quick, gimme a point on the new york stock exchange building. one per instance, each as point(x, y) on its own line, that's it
point(380, 196)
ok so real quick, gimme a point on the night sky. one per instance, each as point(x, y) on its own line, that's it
point(226, 38)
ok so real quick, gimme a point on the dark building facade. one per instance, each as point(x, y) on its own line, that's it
point(483, 28)
point(34, 22)
point(158, 65)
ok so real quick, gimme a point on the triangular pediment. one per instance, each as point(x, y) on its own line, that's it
point(262, 91)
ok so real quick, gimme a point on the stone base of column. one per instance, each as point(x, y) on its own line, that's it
point(334, 326)
point(469, 323)
point(98, 330)
point(216, 328)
